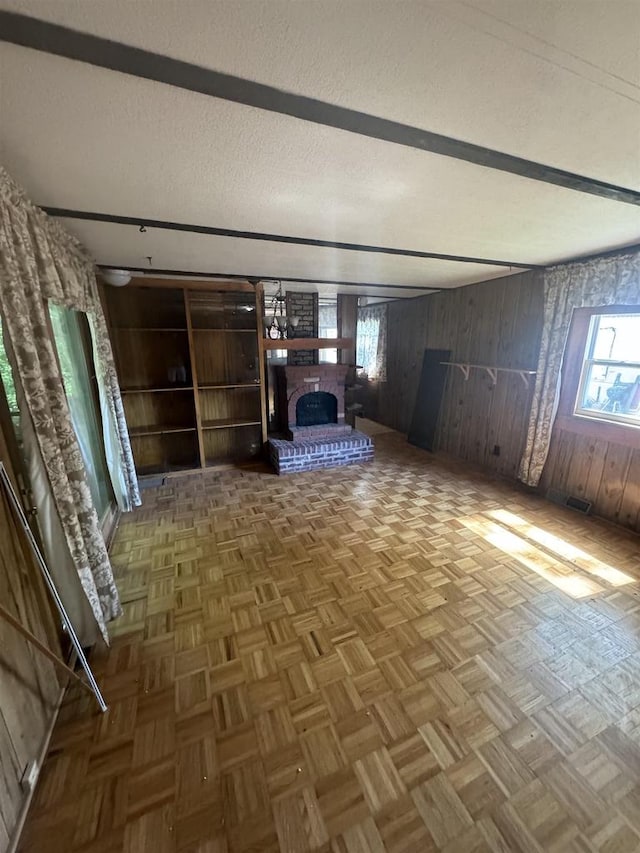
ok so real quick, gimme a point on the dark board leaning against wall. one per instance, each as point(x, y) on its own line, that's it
point(424, 423)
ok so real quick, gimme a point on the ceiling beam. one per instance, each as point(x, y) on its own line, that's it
point(267, 278)
point(62, 41)
point(142, 223)
point(632, 248)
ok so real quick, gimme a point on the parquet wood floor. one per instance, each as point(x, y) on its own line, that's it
point(400, 656)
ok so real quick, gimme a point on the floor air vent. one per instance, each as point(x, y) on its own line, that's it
point(579, 504)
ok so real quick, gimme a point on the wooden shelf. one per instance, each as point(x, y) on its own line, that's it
point(227, 331)
point(492, 370)
point(225, 387)
point(308, 343)
point(149, 329)
point(161, 468)
point(158, 429)
point(207, 331)
point(156, 390)
point(227, 423)
point(160, 452)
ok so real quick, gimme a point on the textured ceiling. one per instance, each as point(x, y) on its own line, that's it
point(557, 83)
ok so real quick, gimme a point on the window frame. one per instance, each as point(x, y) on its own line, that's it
point(573, 371)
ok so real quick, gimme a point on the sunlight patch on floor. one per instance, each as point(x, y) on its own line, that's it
point(533, 558)
point(562, 548)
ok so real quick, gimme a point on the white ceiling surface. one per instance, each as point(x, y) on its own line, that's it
point(123, 145)
point(556, 82)
point(452, 68)
point(255, 258)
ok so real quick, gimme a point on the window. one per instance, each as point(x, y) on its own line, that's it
point(600, 390)
point(70, 333)
point(610, 380)
point(6, 377)
point(371, 342)
point(8, 385)
point(328, 328)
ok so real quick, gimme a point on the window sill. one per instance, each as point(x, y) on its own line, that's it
point(628, 436)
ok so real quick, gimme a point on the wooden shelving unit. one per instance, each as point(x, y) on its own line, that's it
point(218, 387)
point(224, 423)
point(189, 364)
point(158, 429)
point(142, 390)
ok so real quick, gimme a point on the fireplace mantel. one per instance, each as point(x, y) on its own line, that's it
point(308, 343)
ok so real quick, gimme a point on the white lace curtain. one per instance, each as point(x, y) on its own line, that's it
point(602, 282)
point(39, 262)
point(371, 341)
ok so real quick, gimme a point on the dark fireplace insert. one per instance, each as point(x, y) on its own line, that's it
point(316, 408)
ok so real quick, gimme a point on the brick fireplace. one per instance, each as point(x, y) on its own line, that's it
point(298, 384)
point(310, 405)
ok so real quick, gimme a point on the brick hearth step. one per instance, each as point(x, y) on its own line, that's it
point(309, 454)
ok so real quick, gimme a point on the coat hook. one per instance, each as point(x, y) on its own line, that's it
point(149, 258)
point(143, 229)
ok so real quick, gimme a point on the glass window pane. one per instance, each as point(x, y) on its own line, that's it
point(367, 335)
point(328, 328)
point(617, 337)
point(328, 356)
point(6, 375)
point(82, 405)
point(612, 391)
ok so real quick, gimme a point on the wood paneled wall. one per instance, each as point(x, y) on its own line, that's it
point(29, 686)
point(493, 323)
point(497, 323)
point(603, 472)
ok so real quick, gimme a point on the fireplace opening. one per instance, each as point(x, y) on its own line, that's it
point(318, 407)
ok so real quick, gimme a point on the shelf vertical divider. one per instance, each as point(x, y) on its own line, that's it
point(261, 358)
point(194, 378)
